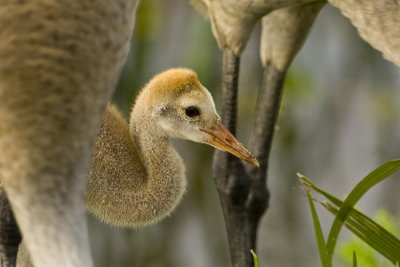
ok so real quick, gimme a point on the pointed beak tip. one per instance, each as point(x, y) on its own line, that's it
point(224, 140)
point(255, 162)
point(251, 160)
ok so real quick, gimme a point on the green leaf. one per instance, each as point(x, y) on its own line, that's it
point(367, 256)
point(361, 225)
point(370, 232)
point(354, 259)
point(323, 252)
point(255, 258)
point(359, 190)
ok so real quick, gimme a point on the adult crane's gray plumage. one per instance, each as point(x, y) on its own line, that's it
point(59, 63)
point(377, 23)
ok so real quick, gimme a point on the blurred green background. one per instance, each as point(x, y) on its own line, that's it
point(338, 121)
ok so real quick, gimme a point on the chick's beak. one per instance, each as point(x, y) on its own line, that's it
point(224, 140)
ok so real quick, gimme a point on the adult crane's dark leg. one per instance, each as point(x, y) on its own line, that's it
point(10, 236)
point(231, 179)
point(283, 34)
point(267, 110)
point(242, 190)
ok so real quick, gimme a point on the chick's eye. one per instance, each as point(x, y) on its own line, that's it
point(192, 111)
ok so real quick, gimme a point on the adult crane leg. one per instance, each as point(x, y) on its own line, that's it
point(231, 180)
point(283, 34)
point(10, 236)
point(242, 190)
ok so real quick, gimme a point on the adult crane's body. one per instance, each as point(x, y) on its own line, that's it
point(233, 21)
point(59, 63)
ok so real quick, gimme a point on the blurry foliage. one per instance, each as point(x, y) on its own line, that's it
point(299, 85)
point(155, 35)
point(385, 107)
point(149, 21)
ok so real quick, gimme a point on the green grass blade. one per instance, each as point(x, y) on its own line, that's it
point(255, 258)
point(359, 190)
point(323, 252)
point(308, 185)
point(370, 232)
point(374, 235)
point(354, 259)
